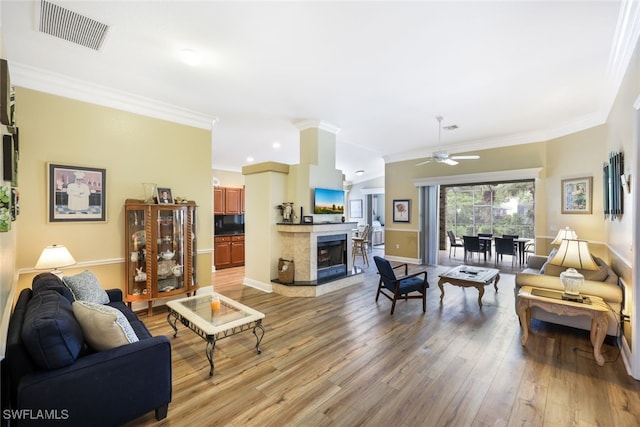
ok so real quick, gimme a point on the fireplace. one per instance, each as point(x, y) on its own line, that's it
point(331, 256)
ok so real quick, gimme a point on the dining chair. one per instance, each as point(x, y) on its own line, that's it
point(514, 237)
point(486, 242)
point(505, 246)
point(472, 244)
point(454, 242)
point(359, 247)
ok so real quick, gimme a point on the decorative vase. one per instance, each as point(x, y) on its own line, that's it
point(149, 191)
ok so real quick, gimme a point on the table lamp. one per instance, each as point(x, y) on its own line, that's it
point(564, 233)
point(55, 256)
point(573, 254)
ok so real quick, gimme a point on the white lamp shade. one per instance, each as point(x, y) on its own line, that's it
point(574, 254)
point(564, 233)
point(54, 257)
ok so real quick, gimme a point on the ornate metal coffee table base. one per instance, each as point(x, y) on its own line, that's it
point(211, 339)
point(215, 322)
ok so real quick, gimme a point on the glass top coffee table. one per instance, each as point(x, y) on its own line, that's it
point(467, 276)
point(197, 314)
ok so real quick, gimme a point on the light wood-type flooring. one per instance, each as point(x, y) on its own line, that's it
point(342, 360)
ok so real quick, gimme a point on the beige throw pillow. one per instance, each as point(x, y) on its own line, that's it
point(103, 326)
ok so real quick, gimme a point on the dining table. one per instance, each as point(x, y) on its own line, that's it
point(521, 242)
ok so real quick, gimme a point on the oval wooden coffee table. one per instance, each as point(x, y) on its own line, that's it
point(467, 277)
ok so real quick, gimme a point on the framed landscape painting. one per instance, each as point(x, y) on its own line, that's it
point(576, 195)
point(355, 208)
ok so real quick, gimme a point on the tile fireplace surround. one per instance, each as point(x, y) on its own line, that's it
point(299, 243)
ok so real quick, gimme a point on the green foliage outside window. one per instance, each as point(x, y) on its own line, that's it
point(505, 208)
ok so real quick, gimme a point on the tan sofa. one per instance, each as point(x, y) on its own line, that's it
point(602, 283)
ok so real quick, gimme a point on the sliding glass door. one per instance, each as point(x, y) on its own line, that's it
point(496, 208)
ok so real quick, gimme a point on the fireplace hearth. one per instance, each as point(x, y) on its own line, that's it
point(319, 251)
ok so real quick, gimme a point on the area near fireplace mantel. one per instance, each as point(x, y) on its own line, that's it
point(299, 242)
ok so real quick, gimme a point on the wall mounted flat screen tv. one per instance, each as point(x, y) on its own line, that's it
point(326, 201)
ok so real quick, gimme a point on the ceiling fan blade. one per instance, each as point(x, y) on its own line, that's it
point(469, 157)
point(450, 161)
point(429, 160)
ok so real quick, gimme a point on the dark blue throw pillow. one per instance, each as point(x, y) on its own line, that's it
point(44, 281)
point(51, 333)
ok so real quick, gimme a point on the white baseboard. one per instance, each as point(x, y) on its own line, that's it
point(265, 287)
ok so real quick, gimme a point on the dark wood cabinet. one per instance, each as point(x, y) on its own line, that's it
point(160, 248)
point(228, 251)
point(233, 201)
point(237, 250)
point(218, 201)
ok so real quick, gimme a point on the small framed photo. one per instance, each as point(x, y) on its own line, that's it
point(355, 208)
point(164, 195)
point(76, 193)
point(576, 195)
point(307, 219)
point(401, 210)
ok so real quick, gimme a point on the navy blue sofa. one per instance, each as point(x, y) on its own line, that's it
point(70, 384)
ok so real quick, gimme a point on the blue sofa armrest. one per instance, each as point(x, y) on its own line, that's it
point(104, 388)
point(115, 295)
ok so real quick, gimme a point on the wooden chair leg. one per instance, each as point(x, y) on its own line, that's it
point(379, 289)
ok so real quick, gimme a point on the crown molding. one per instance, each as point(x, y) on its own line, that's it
point(320, 124)
point(57, 84)
point(624, 43)
point(472, 178)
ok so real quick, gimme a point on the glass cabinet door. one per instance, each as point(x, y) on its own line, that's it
point(170, 250)
point(136, 251)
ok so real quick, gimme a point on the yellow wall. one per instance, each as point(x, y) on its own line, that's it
point(577, 155)
point(573, 156)
point(399, 177)
point(133, 149)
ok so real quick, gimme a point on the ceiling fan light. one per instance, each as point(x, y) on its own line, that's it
point(470, 157)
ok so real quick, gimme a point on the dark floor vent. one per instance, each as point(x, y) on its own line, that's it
point(71, 26)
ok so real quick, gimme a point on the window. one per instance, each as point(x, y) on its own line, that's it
point(496, 208)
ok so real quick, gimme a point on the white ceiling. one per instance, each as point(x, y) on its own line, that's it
point(504, 72)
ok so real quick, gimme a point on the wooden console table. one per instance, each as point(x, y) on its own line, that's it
point(551, 301)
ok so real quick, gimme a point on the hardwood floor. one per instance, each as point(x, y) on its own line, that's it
point(342, 360)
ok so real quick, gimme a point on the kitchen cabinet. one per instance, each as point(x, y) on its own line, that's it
point(229, 251)
point(228, 201)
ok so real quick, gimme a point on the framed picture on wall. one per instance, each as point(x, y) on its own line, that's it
point(76, 193)
point(401, 210)
point(576, 195)
point(355, 208)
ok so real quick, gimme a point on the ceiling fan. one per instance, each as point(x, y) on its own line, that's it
point(443, 156)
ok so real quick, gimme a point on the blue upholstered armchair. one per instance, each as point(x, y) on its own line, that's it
point(394, 287)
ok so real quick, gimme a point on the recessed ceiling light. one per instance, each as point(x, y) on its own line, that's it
point(360, 172)
point(250, 159)
point(276, 145)
point(190, 57)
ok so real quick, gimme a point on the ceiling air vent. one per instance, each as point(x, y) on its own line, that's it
point(71, 26)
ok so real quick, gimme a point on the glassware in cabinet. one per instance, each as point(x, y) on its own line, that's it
point(161, 250)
